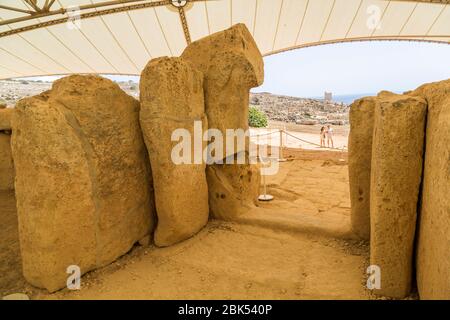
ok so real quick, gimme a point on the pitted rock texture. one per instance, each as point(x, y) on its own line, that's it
point(396, 173)
point(83, 186)
point(172, 98)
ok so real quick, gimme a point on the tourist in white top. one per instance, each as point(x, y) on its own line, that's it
point(330, 136)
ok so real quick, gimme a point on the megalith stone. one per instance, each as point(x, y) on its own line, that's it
point(172, 98)
point(359, 163)
point(231, 64)
point(5, 118)
point(83, 186)
point(234, 188)
point(397, 157)
point(433, 245)
point(6, 162)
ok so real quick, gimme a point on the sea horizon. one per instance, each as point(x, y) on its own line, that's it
point(347, 98)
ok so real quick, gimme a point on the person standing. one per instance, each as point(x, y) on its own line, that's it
point(322, 137)
point(330, 136)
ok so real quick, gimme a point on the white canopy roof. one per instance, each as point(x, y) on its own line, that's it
point(52, 37)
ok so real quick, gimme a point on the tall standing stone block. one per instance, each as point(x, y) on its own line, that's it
point(231, 64)
point(83, 186)
point(359, 163)
point(433, 245)
point(172, 98)
point(397, 156)
point(6, 163)
point(6, 115)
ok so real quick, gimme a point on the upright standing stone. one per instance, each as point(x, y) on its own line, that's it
point(231, 64)
point(397, 156)
point(6, 162)
point(6, 115)
point(359, 163)
point(172, 98)
point(82, 180)
point(433, 251)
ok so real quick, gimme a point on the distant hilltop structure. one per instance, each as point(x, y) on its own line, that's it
point(328, 96)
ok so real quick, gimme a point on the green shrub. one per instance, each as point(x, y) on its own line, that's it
point(256, 118)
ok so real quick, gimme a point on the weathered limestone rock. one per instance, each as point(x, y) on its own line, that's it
point(231, 64)
point(82, 178)
point(359, 160)
point(5, 118)
point(172, 98)
point(6, 163)
point(433, 245)
point(233, 189)
point(397, 156)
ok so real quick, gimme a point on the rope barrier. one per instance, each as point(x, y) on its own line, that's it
point(264, 134)
point(306, 141)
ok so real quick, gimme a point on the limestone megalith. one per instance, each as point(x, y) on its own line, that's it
point(433, 245)
point(83, 186)
point(234, 188)
point(6, 162)
point(359, 163)
point(5, 118)
point(231, 64)
point(396, 170)
point(172, 98)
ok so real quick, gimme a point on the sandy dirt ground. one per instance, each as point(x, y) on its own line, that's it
point(296, 247)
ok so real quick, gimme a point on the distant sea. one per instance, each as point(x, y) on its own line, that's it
point(348, 98)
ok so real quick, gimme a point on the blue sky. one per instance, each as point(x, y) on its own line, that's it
point(356, 68)
point(353, 68)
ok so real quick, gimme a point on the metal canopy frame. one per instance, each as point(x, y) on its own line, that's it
point(36, 12)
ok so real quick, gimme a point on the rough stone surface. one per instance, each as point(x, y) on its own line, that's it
point(172, 98)
point(16, 296)
point(5, 118)
point(397, 157)
point(83, 190)
point(6, 163)
point(233, 189)
point(433, 245)
point(359, 160)
point(232, 64)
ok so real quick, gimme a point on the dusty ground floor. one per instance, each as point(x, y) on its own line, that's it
point(296, 247)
